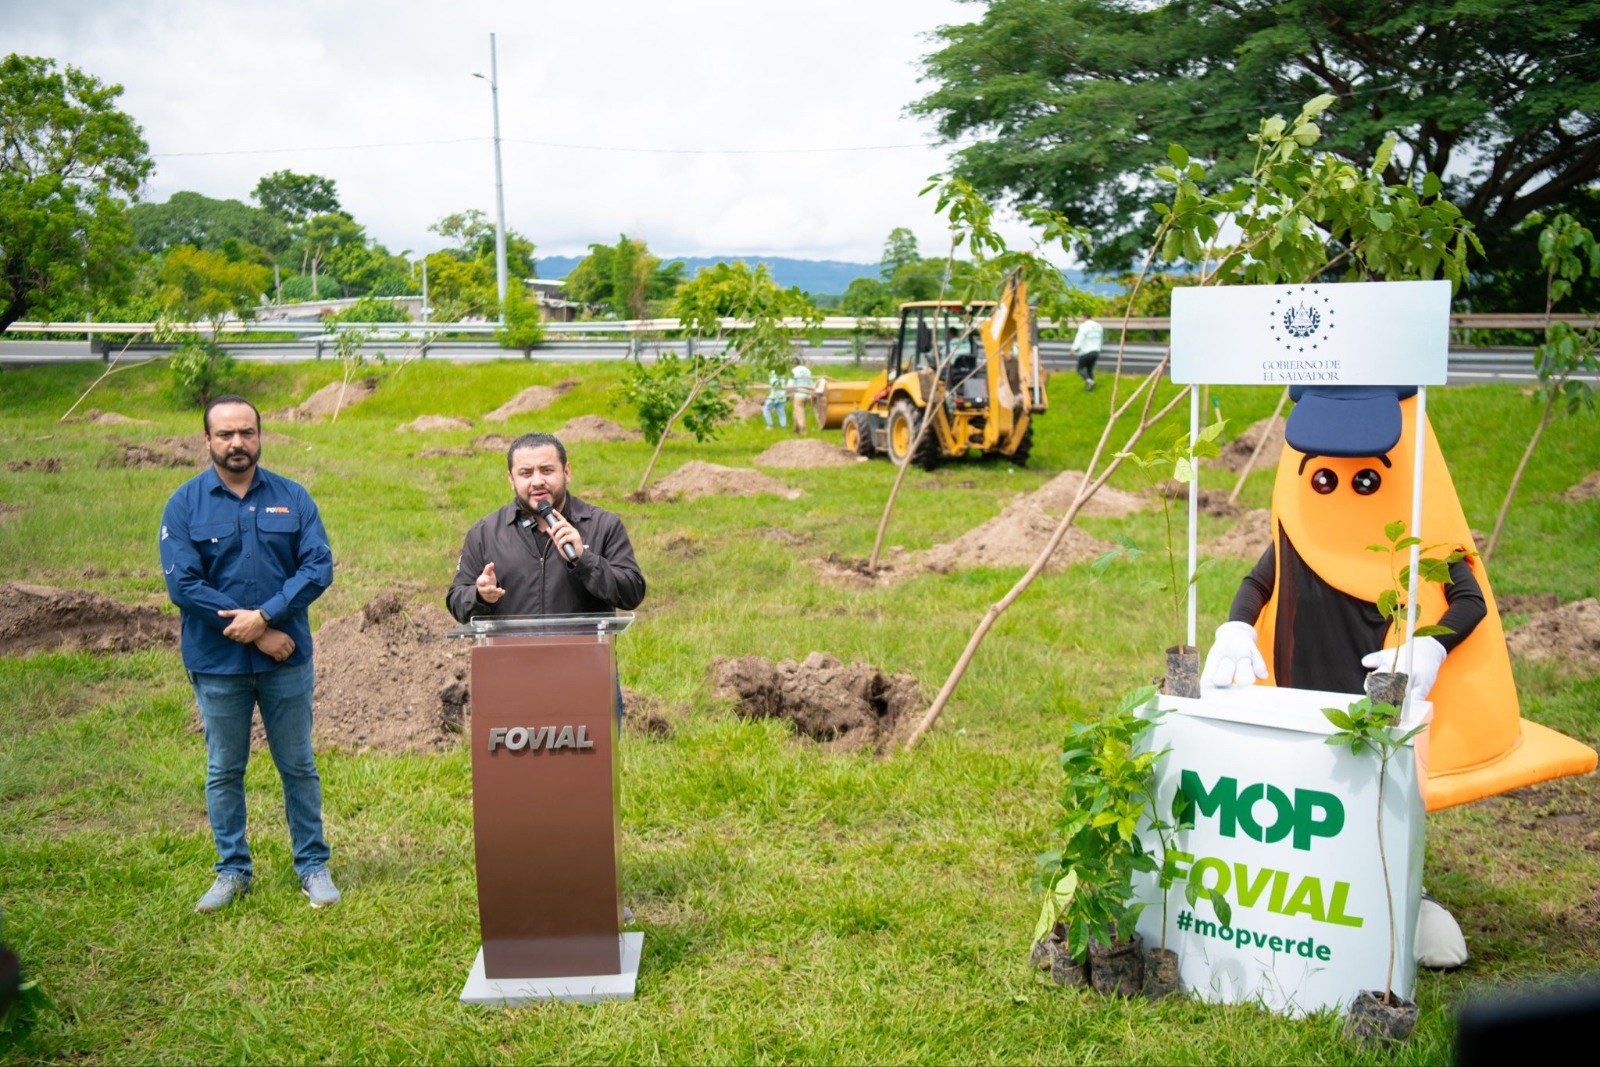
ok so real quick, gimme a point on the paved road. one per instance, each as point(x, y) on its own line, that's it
point(1467, 365)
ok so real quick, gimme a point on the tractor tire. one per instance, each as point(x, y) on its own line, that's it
point(1024, 448)
point(858, 435)
point(903, 422)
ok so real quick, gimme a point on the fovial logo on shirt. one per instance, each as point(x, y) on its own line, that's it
point(277, 511)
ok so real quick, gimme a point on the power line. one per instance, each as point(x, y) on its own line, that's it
point(571, 147)
point(317, 148)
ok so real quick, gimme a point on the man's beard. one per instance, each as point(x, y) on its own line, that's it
point(231, 460)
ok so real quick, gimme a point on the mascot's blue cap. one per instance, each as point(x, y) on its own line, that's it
point(1345, 420)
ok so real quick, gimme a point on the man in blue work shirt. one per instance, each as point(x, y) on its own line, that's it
point(245, 554)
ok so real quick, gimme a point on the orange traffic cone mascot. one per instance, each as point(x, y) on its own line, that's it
point(1306, 615)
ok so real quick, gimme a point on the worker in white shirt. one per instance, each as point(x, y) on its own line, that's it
point(1086, 346)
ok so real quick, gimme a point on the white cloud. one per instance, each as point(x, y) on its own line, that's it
point(743, 85)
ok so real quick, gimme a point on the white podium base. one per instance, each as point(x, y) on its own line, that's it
point(587, 989)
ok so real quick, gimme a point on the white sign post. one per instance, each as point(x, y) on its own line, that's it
point(1285, 828)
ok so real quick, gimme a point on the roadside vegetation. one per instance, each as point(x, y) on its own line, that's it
point(798, 905)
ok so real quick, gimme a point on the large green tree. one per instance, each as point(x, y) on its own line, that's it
point(194, 219)
point(625, 279)
point(1073, 101)
point(473, 235)
point(68, 158)
point(296, 198)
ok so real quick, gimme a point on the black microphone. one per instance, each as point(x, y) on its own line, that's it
point(547, 513)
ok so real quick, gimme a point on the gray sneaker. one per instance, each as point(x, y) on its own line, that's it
point(224, 891)
point(319, 888)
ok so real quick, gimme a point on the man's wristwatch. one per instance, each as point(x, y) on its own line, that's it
point(266, 616)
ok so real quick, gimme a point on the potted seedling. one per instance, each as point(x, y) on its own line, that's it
point(1370, 726)
point(1161, 964)
point(1389, 686)
point(1086, 927)
point(1168, 469)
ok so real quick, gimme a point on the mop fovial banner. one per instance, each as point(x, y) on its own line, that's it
point(1285, 831)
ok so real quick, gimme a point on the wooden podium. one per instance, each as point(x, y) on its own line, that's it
point(545, 811)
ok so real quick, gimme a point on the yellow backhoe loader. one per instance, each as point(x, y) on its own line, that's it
point(973, 368)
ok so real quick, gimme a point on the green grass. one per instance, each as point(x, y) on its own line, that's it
point(797, 906)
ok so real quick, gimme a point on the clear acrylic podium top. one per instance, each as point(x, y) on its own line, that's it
point(483, 628)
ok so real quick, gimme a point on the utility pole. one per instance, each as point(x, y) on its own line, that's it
point(499, 185)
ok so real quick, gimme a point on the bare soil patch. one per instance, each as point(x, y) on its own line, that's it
point(48, 465)
point(697, 479)
point(1248, 538)
point(427, 423)
point(596, 428)
point(433, 453)
point(1213, 502)
point(492, 442)
point(844, 708)
point(40, 618)
point(161, 452)
point(1587, 489)
point(1570, 635)
point(1013, 538)
point(1236, 453)
point(389, 681)
point(533, 398)
point(651, 715)
point(326, 401)
point(806, 453)
point(1057, 495)
point(1568, 808)
point(1526, 603)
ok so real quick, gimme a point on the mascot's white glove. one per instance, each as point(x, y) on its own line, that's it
point(1426, 659)
point(1233, 657)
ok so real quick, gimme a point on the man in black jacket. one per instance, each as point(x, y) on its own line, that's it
point(515, 561)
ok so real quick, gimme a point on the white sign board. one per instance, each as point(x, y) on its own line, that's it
point(1351, 333)
point(1285, 827)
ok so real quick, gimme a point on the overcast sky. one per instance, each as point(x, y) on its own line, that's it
point(702, 126)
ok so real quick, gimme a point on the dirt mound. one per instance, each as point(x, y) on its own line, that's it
point(96, 417)
point(389, 680)
point(646, 713)
point(1587, 489)
point(697, 479)
point(325, 401)
point(596, 428)
point(1013, 538)
point(38, 618)
point(1057, 494)
point(1569, 635)
point(1249, 537)
point(1236, 453)
point(492, 442)
point(748, 407)
point(805, 453)
point(845, 708)
point(161, 452)
point(432, 453)
point(48, 465)
point(1526, 603)
point(533, 398)
point(425, 423)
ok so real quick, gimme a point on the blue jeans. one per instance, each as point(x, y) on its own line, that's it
point(226, 702)
point(779, 405)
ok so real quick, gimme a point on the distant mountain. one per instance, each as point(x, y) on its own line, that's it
point(810, 275)
point(816, 276)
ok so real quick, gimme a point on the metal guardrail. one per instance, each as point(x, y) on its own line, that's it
point(637, 327)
